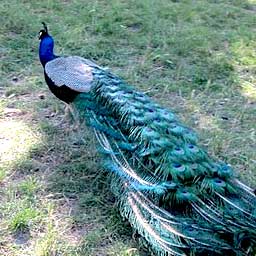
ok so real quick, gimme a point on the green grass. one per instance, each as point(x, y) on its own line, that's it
point(195, 57)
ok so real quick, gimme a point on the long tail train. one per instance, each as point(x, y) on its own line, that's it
point(176, 196)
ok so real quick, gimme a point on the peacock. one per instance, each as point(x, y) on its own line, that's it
point(178, 198)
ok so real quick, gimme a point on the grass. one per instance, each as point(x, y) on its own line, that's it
point(195, 57)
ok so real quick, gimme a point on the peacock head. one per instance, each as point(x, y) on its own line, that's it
point(43, 32)
point(46, 46)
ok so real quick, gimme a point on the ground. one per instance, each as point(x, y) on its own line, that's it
point(195, 57)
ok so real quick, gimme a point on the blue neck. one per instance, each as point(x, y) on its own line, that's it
point(46, 50)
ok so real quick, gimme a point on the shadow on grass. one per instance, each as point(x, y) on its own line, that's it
point(70, 181)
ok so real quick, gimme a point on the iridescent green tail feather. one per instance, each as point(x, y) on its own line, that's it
point(173, 193)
